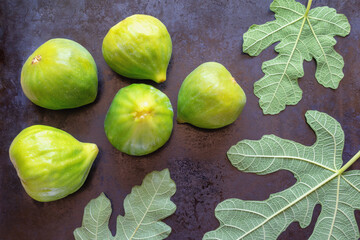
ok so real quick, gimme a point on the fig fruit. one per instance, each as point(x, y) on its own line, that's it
point(210, 97)
point(139, 120)
point(50, 163)
point(60, 74)
point(138, 47)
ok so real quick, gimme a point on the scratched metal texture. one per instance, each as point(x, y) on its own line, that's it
point(200, 31)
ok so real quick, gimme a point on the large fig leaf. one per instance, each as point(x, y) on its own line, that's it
point(320, 180)
point(144, 207)
point(303, 34)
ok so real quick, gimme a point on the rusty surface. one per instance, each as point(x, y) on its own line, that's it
point(210, 31)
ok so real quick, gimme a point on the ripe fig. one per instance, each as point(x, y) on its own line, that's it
point(50, 163)
point(138, 47)
point(210, 97)
point(139, 120)
point(60, 74)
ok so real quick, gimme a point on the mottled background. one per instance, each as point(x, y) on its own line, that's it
point(201, 31)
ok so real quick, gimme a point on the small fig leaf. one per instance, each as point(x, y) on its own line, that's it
point(145, 207)
point(96, 220)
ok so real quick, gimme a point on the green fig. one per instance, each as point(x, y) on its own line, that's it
point(50, 163)
point(60, 74)
point(139, 120)
point(210, 97)
point(138, 47)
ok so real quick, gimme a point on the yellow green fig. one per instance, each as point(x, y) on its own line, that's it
point(138, 47)
point(210, 97)
point(139, 120)
point(60, 74)
point(51, 163)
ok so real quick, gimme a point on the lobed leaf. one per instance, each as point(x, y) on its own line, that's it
point(319, 181)
point(303, 35)
point(96, 220)
point(144, 207)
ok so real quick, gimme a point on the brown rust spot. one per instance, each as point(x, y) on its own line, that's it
point(36, 59)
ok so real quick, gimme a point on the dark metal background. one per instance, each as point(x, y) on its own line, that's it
point(201, 31)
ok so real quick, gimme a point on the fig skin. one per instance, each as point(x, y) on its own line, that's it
point(51, 163)
point(139, 120)
point(138, 47)
point(210, 97)
point(60, 74)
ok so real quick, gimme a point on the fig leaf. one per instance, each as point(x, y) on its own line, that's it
point(144, 207)
point(303, 34)
point(320, 180)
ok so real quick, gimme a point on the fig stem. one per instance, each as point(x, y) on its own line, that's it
point(160, 78)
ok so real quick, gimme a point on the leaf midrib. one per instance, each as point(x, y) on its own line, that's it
point(324, 20)
point(350, 183)
point(332, 136)
point(280, 28)
point(147, 209)
point(287, 157)
point(322, 49)
point(293, 203)
point(336, 208)
point(287, 64)
point(97, 218)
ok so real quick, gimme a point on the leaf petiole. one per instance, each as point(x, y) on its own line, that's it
point(349, 163)
point(308, 8)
